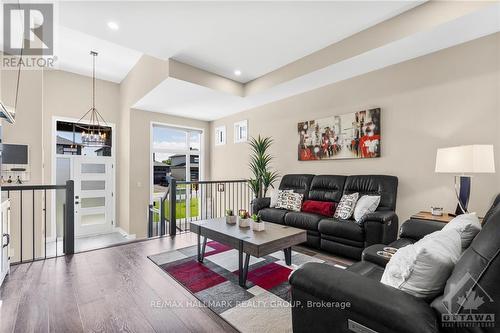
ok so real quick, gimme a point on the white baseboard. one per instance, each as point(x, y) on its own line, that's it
point(124, 233)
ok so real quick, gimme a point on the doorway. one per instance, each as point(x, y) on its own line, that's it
point(93, 177)
point(93, 171)
point(176, 152)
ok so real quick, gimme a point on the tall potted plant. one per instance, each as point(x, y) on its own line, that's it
point(260, 166)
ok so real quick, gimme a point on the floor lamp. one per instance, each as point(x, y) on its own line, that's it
point(463, 161)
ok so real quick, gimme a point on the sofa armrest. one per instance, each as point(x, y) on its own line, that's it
point(260, 203)
point(383, 216)
point(381, 227)
point(371, 303)
point(416, 229)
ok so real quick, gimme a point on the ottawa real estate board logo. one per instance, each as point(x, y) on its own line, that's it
point(464, 304)
point(28, 35)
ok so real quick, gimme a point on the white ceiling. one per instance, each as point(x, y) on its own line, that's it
point(254, 37)
point(72, 49)
point(193, 101)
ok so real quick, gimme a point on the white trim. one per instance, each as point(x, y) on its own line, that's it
point(54, 157)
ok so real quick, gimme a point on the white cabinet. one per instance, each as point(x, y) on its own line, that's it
point(5, 240)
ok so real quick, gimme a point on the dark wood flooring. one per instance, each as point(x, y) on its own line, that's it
point(117, 289)
point(108, 290)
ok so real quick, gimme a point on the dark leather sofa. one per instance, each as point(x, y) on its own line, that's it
point(343, 237)
point(375, 307)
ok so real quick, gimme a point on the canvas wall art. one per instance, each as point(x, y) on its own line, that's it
point(352, 135)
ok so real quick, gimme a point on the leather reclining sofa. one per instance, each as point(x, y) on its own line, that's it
point(376, 307)
point(343, 237)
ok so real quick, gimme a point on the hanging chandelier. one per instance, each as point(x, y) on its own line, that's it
point(92, 123)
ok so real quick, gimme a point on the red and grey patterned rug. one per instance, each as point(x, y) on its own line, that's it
point(263, 306)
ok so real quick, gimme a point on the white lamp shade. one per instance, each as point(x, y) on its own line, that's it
point(466, 159)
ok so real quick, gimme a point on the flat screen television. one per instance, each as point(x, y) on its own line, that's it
point(14, 154)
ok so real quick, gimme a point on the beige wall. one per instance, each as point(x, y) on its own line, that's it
point(140, 168)
point(28, 130)
point(44, 95)
point(146, 74)
point(444, 99)
point(134, 164)
point(51, 93)
point(69, 95)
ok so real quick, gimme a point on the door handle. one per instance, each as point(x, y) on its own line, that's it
point(76, 202)
point(8, 240)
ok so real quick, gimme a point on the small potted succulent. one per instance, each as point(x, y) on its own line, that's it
point(230, 217)
point(243, 219)
point(257, 223)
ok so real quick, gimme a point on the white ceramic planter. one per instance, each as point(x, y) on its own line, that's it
point(244, 223)
point(231, 219)
point(260, 226)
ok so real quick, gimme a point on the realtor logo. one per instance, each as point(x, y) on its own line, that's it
point(464, 302)
point(28, 28)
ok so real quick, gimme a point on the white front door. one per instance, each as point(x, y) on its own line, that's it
point(93, 177)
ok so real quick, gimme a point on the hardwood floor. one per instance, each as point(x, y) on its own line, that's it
point(110, 290)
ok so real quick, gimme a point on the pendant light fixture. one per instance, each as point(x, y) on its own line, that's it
point(92, 123)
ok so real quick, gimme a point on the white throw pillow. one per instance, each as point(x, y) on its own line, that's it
point(345, 208)
point(365, 205)
point(468, 227)
point(422, 269)
point(290, 201)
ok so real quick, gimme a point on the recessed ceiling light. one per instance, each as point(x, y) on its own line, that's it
point(113, 25)
point(237, 72)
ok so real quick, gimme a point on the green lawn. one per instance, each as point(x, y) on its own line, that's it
point(180, 209)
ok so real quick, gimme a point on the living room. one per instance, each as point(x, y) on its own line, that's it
point(240, 174)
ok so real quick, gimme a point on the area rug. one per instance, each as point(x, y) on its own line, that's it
point(263, 306)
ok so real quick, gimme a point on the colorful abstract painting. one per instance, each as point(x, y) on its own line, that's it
point(352, 135)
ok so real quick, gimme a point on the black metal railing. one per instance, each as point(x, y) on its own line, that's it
point(186, 201)
point(29, 240)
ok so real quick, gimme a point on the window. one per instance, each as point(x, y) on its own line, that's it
point(241, 131)
point(176, 153)
point(220, 135)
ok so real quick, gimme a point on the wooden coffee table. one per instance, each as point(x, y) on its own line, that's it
point(251, 243)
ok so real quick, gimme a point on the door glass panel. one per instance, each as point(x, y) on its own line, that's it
point(93, 168)
point(93, 219)
point(93, 185)
point(93, 202)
